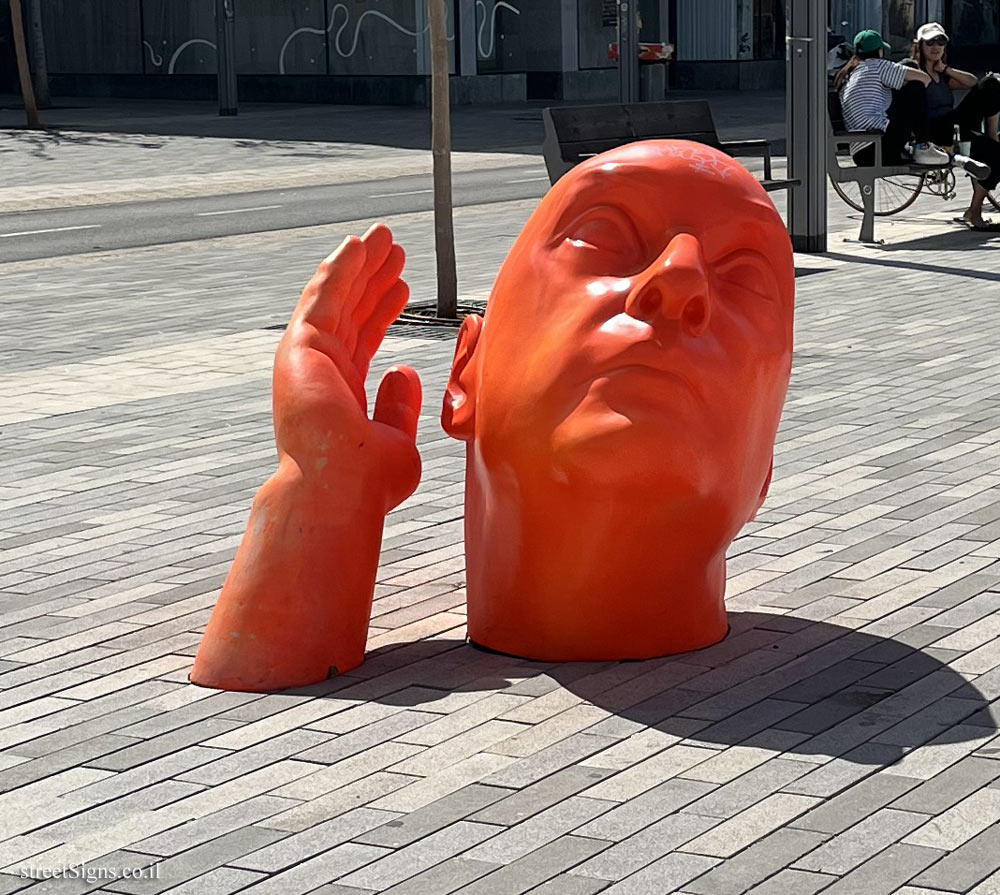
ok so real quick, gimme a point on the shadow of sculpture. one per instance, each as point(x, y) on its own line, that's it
point(808, 688)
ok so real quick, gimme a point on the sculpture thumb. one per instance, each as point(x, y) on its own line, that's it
point(399, 399)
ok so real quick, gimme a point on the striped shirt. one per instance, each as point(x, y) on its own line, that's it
point(866, 96)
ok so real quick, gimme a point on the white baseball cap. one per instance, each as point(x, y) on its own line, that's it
point(930, 31)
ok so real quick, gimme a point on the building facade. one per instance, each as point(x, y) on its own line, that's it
point(376, 51)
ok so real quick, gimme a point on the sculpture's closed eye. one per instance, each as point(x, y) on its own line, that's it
point(605, 241)
point(748, 271)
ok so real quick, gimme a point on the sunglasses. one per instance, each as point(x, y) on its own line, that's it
point(937, 42)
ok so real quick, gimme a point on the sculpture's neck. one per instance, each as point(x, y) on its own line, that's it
point(563, 574)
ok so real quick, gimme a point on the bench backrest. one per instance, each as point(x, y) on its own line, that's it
point(574, 133)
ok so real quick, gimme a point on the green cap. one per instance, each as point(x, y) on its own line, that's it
point(869, 41)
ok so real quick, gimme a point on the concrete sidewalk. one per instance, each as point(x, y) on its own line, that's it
point(117, 151)
point(842, 740)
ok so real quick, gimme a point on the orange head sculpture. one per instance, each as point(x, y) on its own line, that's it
point(619, 403)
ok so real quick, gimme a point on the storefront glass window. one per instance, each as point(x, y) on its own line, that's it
point(317, 37)
point(768, 29)
point(518, 35)
point(92, 36)
point(974, 22)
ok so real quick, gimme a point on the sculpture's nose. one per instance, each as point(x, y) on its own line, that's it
point(674, 288)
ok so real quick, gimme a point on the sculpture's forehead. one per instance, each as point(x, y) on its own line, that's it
point(677, 176)
point(670, 158)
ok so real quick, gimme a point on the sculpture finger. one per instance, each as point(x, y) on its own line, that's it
point(372, 332)
point(398, 401)
point(378, 287)
point(332, 286)
point(378, 244)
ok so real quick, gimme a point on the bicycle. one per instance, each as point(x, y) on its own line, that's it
point(898, 192)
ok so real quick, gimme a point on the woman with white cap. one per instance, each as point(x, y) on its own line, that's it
point(975, 117)
point(877, 94)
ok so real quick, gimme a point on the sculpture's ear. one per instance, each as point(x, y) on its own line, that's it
point(763, 491)
point(458, 416)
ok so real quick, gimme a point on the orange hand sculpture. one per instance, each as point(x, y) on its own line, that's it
point(620, 403)
point(296, 603)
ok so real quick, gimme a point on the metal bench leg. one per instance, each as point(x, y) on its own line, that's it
point(868, 218)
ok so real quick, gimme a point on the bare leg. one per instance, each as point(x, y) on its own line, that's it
point(974, 213)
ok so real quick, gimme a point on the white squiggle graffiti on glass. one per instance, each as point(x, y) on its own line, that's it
point(182, 48)
point(156, 59)
point(485, 53)
point(357, 32)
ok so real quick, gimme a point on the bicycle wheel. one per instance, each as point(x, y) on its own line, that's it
point(892, 194)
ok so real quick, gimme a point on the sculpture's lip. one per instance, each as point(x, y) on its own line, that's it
point(628, 367)
point(644, 358)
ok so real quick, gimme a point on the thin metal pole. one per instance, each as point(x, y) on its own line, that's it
point(23, 73)
point(225, 42)
point(628, 51)
point(806, 124)
point(444, 232)
point(38, 60)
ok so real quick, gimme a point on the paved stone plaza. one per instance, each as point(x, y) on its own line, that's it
point(842, 739)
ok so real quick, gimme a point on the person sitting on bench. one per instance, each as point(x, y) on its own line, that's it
point(981, 103)
point(880, 95)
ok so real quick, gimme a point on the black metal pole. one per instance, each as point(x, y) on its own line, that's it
point(225, 41)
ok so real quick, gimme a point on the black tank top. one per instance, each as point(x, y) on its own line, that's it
point(939, 99)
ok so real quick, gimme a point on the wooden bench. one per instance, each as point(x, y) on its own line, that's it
point(575, 133)
point(842, 169)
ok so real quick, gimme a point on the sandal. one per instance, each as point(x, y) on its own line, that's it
point(986, 226)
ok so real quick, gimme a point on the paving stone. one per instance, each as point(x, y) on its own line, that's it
point(645, 846)
point(952, 785)
point(315, 872)
point(516, 807)
point(442, 813)
point(288, 850)
point(741, 830)
point(220, 881)
point(443, 878)
point(332, 751)
point(959, 823)
point(643, 776)
point(131, 756)
point(794, 882)
point(886, 872)
point(527, 872)
point(218, 823)
point(408, 861)
point(198, 861)
point(668, 874)
point(758, 862)
point(622, 821)
point(570, 885)
point(864, 840)
point(230, 765)
point(858, 802)
point(299, 816)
